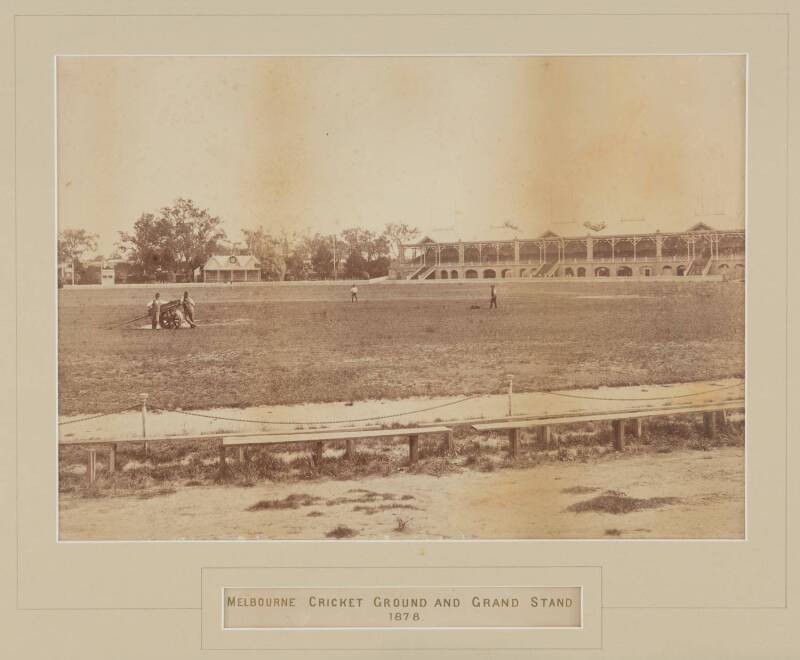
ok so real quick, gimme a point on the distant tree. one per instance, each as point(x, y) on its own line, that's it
point(322, 257)
point(298, 257)
point(356, 266)
point(74, 243)
point(269, 251)
point(367, 252)
point(177, 240)
point(397, 233)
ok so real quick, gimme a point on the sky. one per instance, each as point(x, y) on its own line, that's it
point(456, 146)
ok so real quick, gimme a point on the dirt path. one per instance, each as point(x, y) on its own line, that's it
point(514, 503)
point(129, 425)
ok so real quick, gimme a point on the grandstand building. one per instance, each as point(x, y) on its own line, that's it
point(700, 251)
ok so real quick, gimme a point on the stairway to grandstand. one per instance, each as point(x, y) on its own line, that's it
point(547, 269)
point(699, 265)
point(422, 273)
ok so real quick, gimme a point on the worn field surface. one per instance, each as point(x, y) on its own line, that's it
point(260, 345)
point(683, 494)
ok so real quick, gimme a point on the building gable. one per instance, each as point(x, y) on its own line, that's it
point(700, 226)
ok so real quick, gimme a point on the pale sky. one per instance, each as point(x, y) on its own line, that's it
point(456, 146)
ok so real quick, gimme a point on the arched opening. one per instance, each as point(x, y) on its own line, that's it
point(471, 274)
point(666, 270)
point(723, 268)
point(646, 247)
point(568, 272)
point(449, 255)
point(602, 271)
point(673, 246)
point(453, 274)
point(523, 272)
point(507, 252)
point(491, 254)
point(489, 274)
point(551, 251)
point(529, 253)
point(646, 271)
point(624, 249)
point(624, 271)
point(508, 273)
point(731, 245)
point(581, 271)
point(703, 247)
point(472, 255)
point(681, 270)
point(602, 249)
point(575, 250)
point(444, 274)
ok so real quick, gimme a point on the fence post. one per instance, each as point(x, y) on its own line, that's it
point(144, 423)
point(223, 463)
point(710, 424)
point(449, 447)
point(413, 448)
point(112, 459)
point(92, 465)
point(348, 448)
point(513, 442)
point(318, 449)
point(510, 391)
point(637, 428)
point(618, 426)
point(544, 437)
point(242, 455)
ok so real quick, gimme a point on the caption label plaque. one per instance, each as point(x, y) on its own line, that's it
point(401, 607)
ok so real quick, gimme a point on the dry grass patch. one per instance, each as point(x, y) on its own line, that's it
point(579, 490)
point(370, 510)
point(617, 502)
point(341, 532)
point(293, 501)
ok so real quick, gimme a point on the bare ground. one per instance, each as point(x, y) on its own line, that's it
point(691, 493)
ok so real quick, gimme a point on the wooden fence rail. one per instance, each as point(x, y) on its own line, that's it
point(319, 437)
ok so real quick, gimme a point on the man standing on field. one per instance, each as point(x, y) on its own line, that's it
point(154, 309)
point(354, 294)
point(493, 299)
point(188, 309)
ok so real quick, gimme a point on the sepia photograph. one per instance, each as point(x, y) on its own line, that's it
point(401, 297)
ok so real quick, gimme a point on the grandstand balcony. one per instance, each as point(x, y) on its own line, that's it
point(701, 251)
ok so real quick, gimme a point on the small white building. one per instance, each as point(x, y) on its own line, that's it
point(107, 276)
point(234, 268)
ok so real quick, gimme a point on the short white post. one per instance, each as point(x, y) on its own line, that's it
point(510, 391)
point(92, 465)
point(143, 397)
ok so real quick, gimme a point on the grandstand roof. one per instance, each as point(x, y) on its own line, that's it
point(574, 229)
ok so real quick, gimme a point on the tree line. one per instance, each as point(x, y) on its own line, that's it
point(173, 242)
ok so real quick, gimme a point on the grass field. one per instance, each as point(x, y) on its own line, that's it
point(307, 343)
